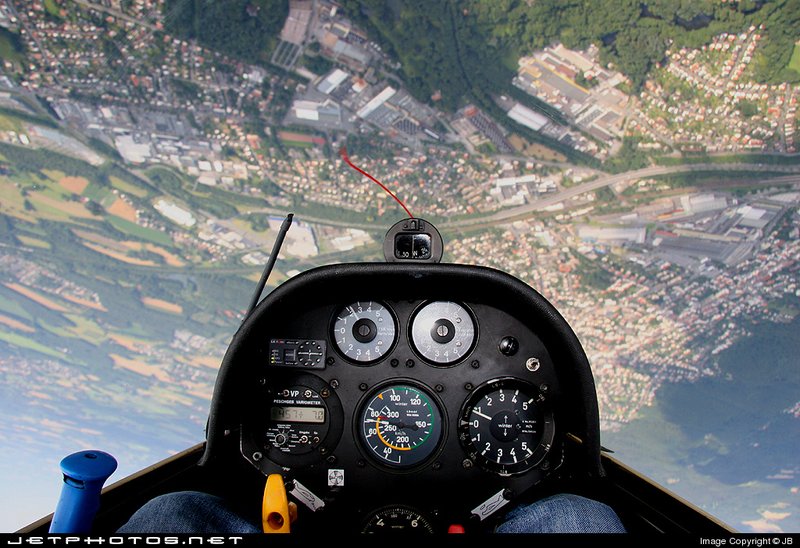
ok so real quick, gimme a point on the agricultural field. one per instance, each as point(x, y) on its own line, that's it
point(79, 244)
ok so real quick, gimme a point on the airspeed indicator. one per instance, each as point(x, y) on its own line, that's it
point(400, 426)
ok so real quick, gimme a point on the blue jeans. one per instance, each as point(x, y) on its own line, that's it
point(562, 514)
point(191, 512)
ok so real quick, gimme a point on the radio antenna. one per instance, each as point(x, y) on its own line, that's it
point(276, 247)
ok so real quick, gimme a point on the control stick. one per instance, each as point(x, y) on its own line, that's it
point(85, 472)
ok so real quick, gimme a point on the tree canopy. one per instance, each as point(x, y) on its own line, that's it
point(245, 29)
point(468, 48)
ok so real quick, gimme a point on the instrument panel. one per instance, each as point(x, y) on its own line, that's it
point(395, 409)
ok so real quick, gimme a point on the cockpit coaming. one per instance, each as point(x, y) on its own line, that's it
point(437, 391)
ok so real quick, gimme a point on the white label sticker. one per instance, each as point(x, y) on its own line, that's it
point(335, 477)
point(304, 495)
point(491, 505)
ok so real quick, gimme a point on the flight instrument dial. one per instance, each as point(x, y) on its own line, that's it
point(506, 426)
point(443, 332)
point(364, 331)
point(400, 425)
point(294, 419)
point(398, 519)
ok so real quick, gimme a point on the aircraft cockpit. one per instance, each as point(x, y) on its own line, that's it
point(409, 396)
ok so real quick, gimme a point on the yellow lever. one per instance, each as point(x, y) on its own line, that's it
point(275, 509)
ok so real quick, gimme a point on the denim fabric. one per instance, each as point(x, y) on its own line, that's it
point(562, 514)
point(191, 512)
point(187, 512)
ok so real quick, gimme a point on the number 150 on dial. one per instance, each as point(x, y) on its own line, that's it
point(400, 426)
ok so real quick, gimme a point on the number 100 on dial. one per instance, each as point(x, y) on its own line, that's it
point(400, 426)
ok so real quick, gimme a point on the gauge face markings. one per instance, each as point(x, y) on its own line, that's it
point(397, 520)
point(443, 332)
point(295, 421)
point(400, 426)
point(364, 331)
point(506, 427)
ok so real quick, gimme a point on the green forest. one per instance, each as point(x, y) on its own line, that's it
point(244, 29)
point(470, 48)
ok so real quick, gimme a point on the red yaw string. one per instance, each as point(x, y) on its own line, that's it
point(343, 154)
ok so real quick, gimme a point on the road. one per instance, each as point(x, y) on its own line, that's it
point(785, 117)
point(604, 181)
point(115, 12)
point(528, 210)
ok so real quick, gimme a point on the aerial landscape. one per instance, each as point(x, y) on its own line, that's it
point(635, 163)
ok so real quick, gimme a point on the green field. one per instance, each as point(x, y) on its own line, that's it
point(10, 47)
point(144, 233)
point(794, 62)
point(8, 123)
point(24, 342)
point(297, 144)
point(13, 308)
point(33, 242)
point(26, 116)
point(52, 8)
point(97, 193)
point(130, 188)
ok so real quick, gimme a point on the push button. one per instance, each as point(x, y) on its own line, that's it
point(508, 346)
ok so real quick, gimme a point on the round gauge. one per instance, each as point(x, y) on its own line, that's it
point(506, 427)
point(296, 422)
point(443, 332)
point(397, 519)
point(364, 331)
point(400, 426)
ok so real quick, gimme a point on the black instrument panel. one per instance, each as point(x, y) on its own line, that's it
point(441, 408)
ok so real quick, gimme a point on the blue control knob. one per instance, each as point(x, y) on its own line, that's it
point(85, 473)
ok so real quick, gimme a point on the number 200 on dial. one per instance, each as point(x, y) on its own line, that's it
point(400, 426)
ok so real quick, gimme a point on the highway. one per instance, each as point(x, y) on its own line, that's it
point(527, 210)
point(543, 203)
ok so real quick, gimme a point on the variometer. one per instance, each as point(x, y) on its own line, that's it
point(506, 426)
point(294, 420)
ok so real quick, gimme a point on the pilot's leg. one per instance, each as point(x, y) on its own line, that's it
point(187, 512)
point(562, 514)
